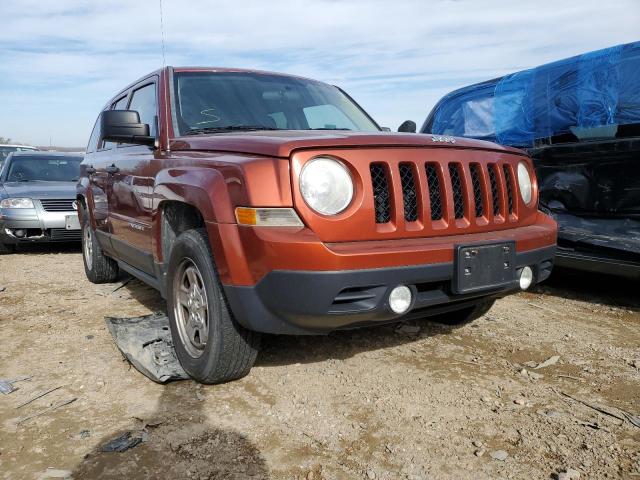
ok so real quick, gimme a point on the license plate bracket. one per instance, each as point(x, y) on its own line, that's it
point(72, 222)
point(483, 267)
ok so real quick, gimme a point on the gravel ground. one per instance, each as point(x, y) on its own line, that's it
point(423, 401)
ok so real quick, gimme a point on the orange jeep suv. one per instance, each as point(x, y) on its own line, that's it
point(260, 202)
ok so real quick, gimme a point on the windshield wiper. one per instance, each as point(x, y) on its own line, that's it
point(228, 128)
point(330, 129)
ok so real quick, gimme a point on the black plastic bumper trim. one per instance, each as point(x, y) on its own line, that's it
point(303, 302)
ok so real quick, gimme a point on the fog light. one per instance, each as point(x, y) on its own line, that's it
point(526, 278)
point(400, 299)
point(20, 233)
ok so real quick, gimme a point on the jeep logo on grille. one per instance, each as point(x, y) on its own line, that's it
point(443, 138)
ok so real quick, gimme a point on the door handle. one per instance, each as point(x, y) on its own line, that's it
point(112, 170)
point(90, 170)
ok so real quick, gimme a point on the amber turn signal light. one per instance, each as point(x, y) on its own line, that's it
point(268, 217)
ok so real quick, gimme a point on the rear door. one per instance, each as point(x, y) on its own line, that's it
point(131, 186)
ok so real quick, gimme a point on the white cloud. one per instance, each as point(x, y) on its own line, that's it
point(62, 60)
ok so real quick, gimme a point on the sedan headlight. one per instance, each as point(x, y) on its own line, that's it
point(326, 185)
point(16, 203)
point(524, 182)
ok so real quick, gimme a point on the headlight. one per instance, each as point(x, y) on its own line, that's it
point(326, 185)
point(16, 203)
point(524, 182)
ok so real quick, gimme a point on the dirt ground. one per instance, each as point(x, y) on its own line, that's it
point(430, 402)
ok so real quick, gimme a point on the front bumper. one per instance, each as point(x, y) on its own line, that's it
point(39, 224)
point(307, 302)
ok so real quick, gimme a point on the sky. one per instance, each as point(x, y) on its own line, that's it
point(60, 61)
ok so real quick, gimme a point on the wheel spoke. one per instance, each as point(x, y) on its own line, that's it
point(183, 297)
point(193, 277)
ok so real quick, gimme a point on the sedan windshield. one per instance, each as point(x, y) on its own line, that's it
point(211, 102)
point(44, 169)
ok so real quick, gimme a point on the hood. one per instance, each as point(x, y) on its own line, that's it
point(283, 143)
point(39, 190)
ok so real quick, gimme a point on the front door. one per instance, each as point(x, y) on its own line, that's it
point(131, 188)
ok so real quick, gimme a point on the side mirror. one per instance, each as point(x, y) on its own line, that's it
point(124, 126)
point(407, 126)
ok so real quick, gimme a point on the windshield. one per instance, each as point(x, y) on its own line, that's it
point(222, 101)
point(44, 169)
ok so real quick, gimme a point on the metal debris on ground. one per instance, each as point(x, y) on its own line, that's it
point(146, 344)
point(6, 386)
point(47, 410)
point(124, 442)
point(614, 412)
point(40, 395)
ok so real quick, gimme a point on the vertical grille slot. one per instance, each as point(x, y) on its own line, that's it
point(456, 186)
point(495, 198)
point(409, 196)
point(435, 191)
point(381, 199)
point(477, 189)
point(509, 181)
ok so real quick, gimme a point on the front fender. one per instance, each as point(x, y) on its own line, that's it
point(204, 189)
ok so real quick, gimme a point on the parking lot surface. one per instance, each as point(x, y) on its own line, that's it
point(547, 381)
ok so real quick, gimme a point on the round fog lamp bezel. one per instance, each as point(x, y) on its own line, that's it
point(527, 280)
point(405, 290)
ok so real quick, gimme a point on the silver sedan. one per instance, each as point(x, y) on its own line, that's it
point(37, 199)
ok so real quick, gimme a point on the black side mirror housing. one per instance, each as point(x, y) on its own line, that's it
point(407, 126)
point(124, 126)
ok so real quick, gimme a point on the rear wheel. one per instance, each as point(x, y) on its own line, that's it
point(211, 346)
point(466, 315)
point(97, 266)
point(7, 248)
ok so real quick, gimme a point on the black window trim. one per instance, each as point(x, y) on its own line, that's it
point(152, 80)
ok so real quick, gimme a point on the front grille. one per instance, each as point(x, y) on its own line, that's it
point(381, 199)
point(493, 177)
point(509, 181)
point(409, 197)
point(456, 186)
point(65, 235)
point(435, 191)
point(495, 196)
point(50, 205)
point(477, 189)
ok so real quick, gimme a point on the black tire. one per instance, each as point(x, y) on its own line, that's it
point(97, 266)
point(230, 350)
point(465, 315)
point(7, 248)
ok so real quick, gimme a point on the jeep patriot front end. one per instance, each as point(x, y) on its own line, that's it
point(258, 202)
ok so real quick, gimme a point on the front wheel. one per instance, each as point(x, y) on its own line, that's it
point(211, 346)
